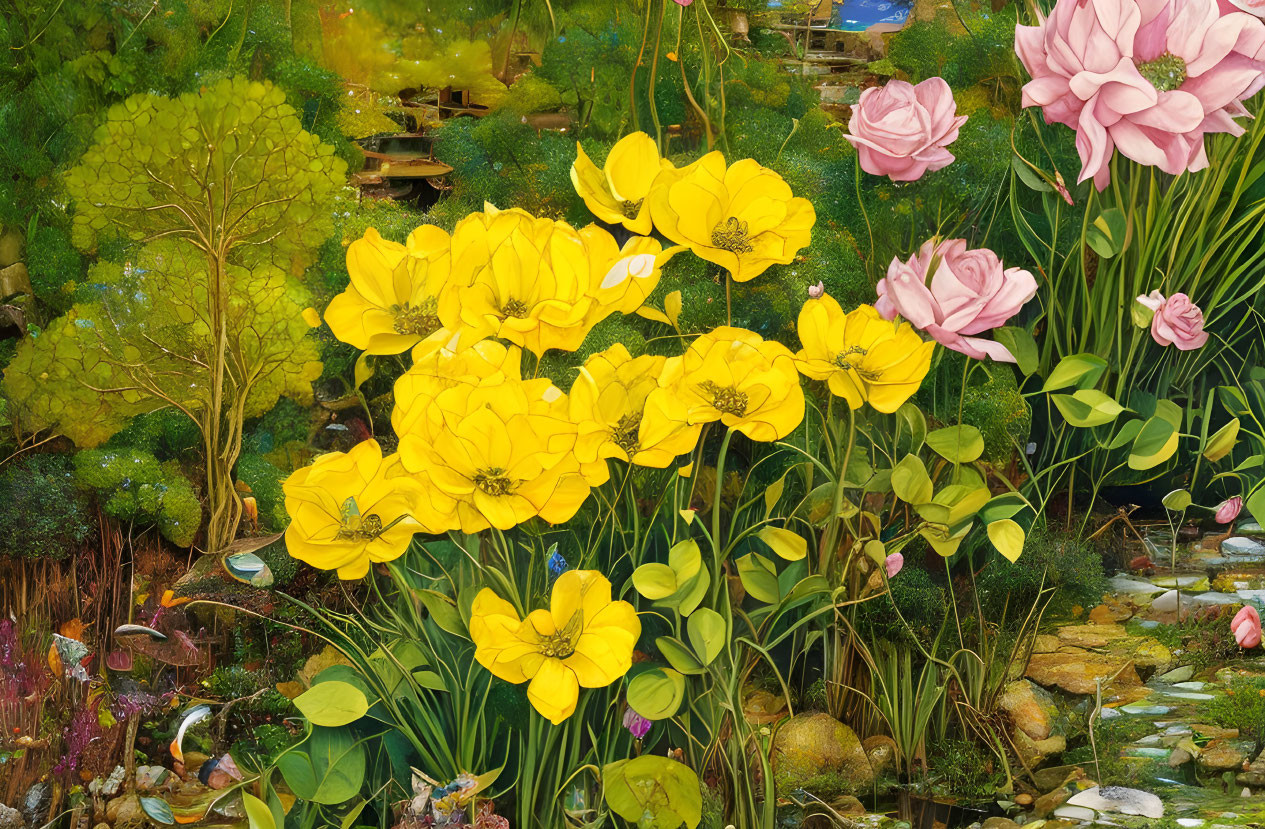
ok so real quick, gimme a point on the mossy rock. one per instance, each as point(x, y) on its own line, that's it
point(819, 754)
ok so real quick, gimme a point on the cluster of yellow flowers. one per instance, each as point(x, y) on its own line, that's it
point(482, 446)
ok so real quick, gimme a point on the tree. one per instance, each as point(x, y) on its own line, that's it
point(231, 199)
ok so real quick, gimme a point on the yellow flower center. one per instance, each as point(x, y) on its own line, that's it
point(1166, 73)
point(421, 320)
point(732, 235)
point(362, 529)
point(844, 361)
point(630, 209)
point(625, 432)
point(725, 399)
point(494, 482)
point(559, 646)
point(515, 308)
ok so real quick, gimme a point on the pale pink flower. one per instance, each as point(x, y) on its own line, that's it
point(893, 564)
point(1228, 510)
point(1256, 7)
point(816, 291)
point(1147, 77)
point(901, 130)
point(969, 293)
point(1247, 627)
point(1177, 321)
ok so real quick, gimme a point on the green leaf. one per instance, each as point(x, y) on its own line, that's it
point(789, 545)
point(1125, 434)
point(158, 810)
point(678, 655)
point(654, 581)
point(653, 792)
point(773, 493)
point(1255, 502)
point(1107, 233)
point(1021, 345)
point(1155, 443)
point(1080, 370)
point(258, 814)
point(332, 704)
point(916, 422)
point(1222, 441)
point(759, 577)
point(910, 481)
point(1177, 501)
point(1029, 176)
point(958, 444)
point(707, 634)
point(656, 694)
point(443, 611)
point(1086, 408)
point(692, 595)
point(1006, 505)
point(1007, 537)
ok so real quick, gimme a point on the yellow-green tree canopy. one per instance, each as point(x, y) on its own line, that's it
point(230, 167)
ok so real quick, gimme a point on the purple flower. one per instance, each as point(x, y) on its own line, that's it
point(636, 724)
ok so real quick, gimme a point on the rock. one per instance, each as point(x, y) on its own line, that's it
point(1167, 602)
point(1045, 643)
point(848, 805)
point(1177, 675)
point(1221, 755)
point(149, 777)
point(1241, 546)
point(881, 752)
point(36, 803)
point(1179, 757)
point(111, 785)
point(1035, 752)
point(1057, 777)
point(1144, 651)
point(125, 811)
point(999, 823)
point(1120, 800)
point(1110, 612)
point(1126, 585)
point(1091, 636)
point(1215, 732)
point(11, 818)
point(812, 749)
point(1030, 707)
point(1023, 799)
point(1255, 774)
point(1077, 813)
point(762, 708)
point(1078, 673)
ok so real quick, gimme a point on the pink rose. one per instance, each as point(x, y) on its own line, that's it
point(1177, 321)
point(1247, 627)
point(901, 130)
point(1228, 510)
point(893, 563)
point(1147, 77)
point(1256, 7)
point(969, 294)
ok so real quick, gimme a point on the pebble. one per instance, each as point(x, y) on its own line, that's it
point(1119, 799)
point(1242, 546)
point(1128, 584)
point(1167, 602)
point(1178, 675)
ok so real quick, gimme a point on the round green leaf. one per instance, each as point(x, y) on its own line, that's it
point(332, 703)
point(1155, 443)
point(656, 694)
point(1177, 500)
point(1007, 537)
point(653, 792)
point(654, 581)
point(706, 630)
point(759, 577)
point(789, 545)
point(678, 655)
point(958, 444)
point(1086, 408)
point(1080, 370)
point(910, 481)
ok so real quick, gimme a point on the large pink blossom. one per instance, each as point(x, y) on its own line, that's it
point(1246, 626)
point(1176, 321)
point(969, 293)
point(901, 130)
point(1147, 77)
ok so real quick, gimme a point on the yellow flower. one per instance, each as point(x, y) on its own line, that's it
point(583, 640)
point(617, 193)
point(622, 278)
point(502, 451)
point(440, 363)
point(743, 217)
point(863, 357)
point(350, 509)
point(392, 302)
point(731, 375)
point(524, 279)
point(608, 400)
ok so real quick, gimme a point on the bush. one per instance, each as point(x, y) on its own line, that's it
point(132, 485)
point(42, 513)
point(1061, 560)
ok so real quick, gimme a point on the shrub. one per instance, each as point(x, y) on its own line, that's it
point(132, 485)
point(42, 513)
point(1059, 559)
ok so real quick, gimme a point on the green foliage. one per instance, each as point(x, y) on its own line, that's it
point(54, 266)
point(966, 770)
point(942, 47)
point(264, 481)
point(921, 601)
point(166, 434)
point(1059, 559)
point(132, 486)
point(42, 513)
point(1242, 707)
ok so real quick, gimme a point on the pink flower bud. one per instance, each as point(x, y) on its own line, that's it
point(894, 562)
point(817, 291)
point(1247, 627)
point(1228, 510)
